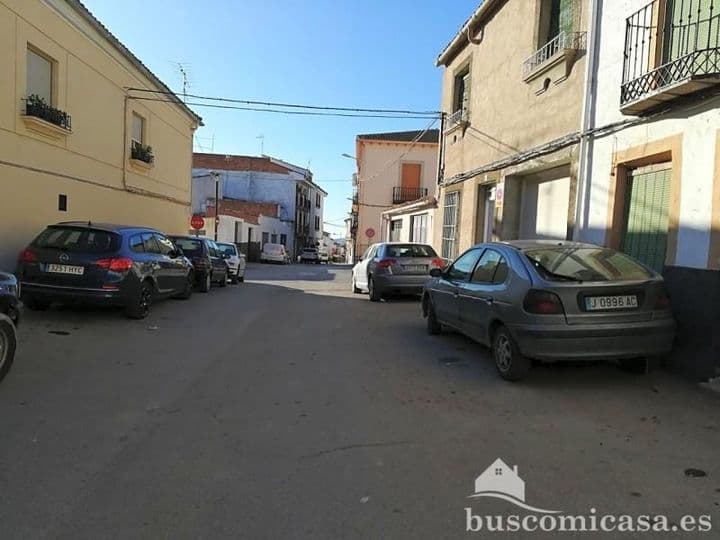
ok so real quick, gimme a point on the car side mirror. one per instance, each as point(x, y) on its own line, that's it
point(436, 272)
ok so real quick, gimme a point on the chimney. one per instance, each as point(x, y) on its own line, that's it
point(515, 469)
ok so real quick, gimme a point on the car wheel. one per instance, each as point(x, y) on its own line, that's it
point(34, 303)
point(241, 279)
point(375, 295)
point(8, 344)
point(187, 289)
point(223, 281)
point(234, 279)
point(206, 282)
point(139, 307)
point(355, 288)
point(510, 363)
point(433, 325)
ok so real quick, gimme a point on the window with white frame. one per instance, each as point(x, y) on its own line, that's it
point(451, 211)
point(39, 76)
point(395, 230)
point(418, 228)
point(138, 129)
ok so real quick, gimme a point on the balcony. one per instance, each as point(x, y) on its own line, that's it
point(669, 53)
point(36, 108)
point(562, 47)
point(406, 194)
point(461, 117)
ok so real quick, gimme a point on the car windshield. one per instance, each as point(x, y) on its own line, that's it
point(227, 249)
point(586, 264)
point(188, 245)
point(409, 250)
point(76, 240)
point(273, 249)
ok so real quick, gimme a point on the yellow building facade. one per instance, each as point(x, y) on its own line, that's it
point(87, 132)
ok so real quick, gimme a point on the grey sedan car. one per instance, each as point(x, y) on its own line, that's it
point(551, 300)
point(394, 267)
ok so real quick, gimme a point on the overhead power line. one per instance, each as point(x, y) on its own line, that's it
point(279, 111)
point(292, 105)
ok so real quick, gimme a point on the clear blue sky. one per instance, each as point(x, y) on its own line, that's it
point(374, 54)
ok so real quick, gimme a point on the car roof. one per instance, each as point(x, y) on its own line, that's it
point(187, 237)
point(525, 245)
point(99, 225)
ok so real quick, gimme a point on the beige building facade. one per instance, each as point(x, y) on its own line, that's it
point(513, 86)
point(75, 142)
point(393, 169)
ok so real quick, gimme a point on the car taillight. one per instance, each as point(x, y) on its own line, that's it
point(27, 256)
point(437, 262)
point(386, 263)
point(543, 303)
point(663, 300)
point(120, 264)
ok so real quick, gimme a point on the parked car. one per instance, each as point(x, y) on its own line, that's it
point(551, 301)
point(235, 261)
point(102, 263)
point(394, 268)
point(208, 261)
point(309, 255)
point(274, 253)
point(9, 303)
point(8, 344)
point(323, 255)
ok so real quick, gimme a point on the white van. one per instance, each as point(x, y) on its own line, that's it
point(274, 253)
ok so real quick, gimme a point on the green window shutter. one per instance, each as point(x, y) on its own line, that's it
point(648, 216)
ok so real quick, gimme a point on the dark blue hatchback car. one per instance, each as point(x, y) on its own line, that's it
point(102, 263)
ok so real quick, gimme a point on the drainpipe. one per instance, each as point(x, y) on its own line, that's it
point(587, 141)
point(124, 142)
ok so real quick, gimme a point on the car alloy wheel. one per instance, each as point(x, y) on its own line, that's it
point(374, 294)
point(510, 362)
point(7, 345)
point(224, 279)
point(503, 353)
point(206, 283)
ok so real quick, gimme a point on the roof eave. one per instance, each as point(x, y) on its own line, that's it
point(460, 40)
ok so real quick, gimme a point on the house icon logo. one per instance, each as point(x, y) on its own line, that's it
point(500, 481)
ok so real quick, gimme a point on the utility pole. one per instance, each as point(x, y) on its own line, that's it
point(216, 176)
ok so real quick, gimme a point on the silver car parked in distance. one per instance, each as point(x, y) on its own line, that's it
point(394, 267)
point(551, 300)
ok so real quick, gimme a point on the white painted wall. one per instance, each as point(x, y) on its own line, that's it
point(698, 126)
point(407, 225)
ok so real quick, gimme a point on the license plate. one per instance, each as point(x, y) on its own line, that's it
point(66, 269)
point(596, 303)
point(415, 268)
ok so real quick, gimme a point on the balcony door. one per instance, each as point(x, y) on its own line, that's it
point(411, 176)
point(690, 26)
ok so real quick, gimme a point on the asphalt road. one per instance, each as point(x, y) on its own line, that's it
point(287, 407)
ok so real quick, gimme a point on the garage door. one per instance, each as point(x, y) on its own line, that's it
point(545, 208)
point(647, 215)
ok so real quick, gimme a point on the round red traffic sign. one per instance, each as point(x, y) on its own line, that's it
point(370, 232)
point(197, 222)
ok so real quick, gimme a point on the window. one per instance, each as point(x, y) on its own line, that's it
point(317, 200)
point(136, 244)
point(62, 202)
point(498, 471)
point(490, 269)
point(238, 232)
point(283, 239)
point(212, 248)
point(165, 245)
point(150, 245)
point(190, 246)
point(409, 250)
point(461, 269)
point(450, 221)
point(39, 76)
point(265, 238)
point(585, 264)
point(556, 17)
point(78, 240)
point(418, 228)
point(273, 238)
point(138, 129)
point(395, 230)
point(461, 94)
point(317, 223)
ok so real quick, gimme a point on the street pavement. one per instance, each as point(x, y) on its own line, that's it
point(287, 407)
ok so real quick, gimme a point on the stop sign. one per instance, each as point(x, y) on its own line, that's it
point(197, 222)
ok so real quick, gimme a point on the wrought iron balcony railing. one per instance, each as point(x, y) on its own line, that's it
point(458, 117)
point(407, 194)
point(37, 107)
point(670, 45)
point(563, 42)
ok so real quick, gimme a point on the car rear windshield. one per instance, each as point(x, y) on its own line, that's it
point(409, 250)
point(188, 245)
point(78, 240)
point(228, 249)
point(586, 264)
point(273, 249)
